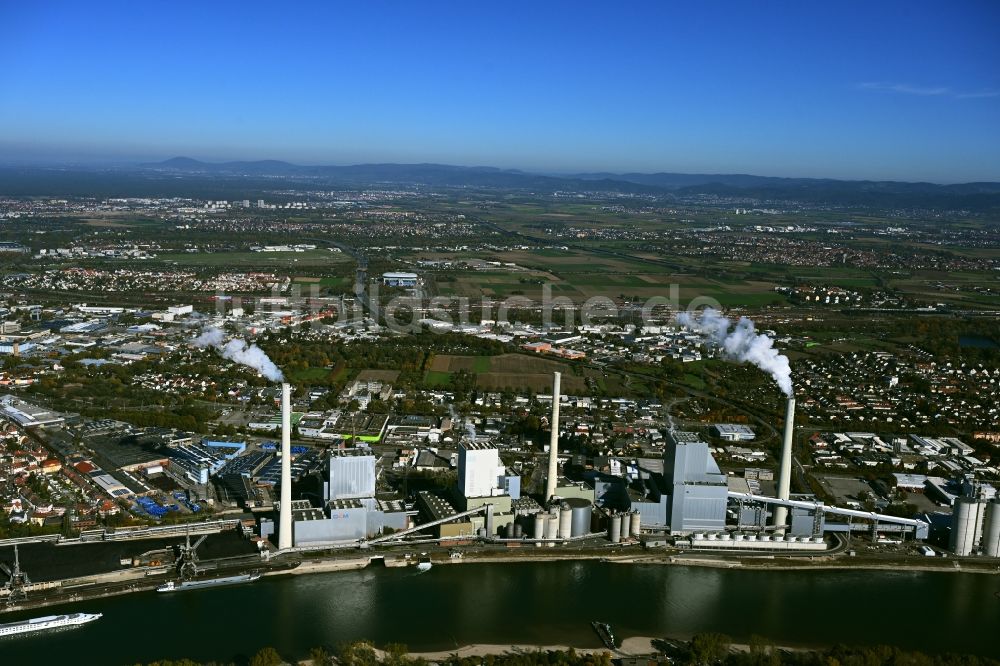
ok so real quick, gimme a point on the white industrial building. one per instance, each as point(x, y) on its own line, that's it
point(480, 473)
point(399, 279)
point(352, 475)
point(733, 432)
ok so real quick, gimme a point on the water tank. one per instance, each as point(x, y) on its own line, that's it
point(582, 511)
point(991, 529)
point(615, 528)
point(739, 537)
point(966, 523)
point(626, 525)
point(565, 521)
point(539, 526)
point(635, 524)
point(481, 532)
point(509, 531)
point(518, 531)
point(552, 527)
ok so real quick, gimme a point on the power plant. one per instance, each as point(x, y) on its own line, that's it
point(690, 499)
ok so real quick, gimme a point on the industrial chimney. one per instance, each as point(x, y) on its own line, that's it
point(285, 526)
point(550, 485)
point(785, 470)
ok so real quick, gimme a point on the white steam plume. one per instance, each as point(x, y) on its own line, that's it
point(239, 351)
point(742, 343)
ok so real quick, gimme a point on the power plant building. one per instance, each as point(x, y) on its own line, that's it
point(352, 475)
point(347, 521)
point(482, 480)
point(480, 471)
point(699, 491)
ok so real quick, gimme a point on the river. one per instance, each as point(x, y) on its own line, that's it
point(538, 603)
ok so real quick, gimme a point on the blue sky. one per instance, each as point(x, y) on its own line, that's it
point(906, 90)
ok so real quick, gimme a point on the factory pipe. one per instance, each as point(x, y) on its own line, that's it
point(785, 471)
point(285, 519)
point(550, 484)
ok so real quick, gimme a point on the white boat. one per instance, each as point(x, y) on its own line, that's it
point(209, 582)
point(47, 622)
point(424, 566)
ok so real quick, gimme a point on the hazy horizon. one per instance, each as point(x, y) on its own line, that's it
point(123, 163)
point(909, 93)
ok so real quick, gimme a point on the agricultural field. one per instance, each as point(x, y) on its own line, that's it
point(372, 375)
point(575, 278)
point(259, 260)
point(506, 371)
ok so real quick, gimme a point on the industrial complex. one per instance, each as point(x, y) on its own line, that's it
point(355, 499)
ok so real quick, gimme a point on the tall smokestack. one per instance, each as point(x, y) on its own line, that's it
point(285, 519)
point(785, 471)
point(550, 485)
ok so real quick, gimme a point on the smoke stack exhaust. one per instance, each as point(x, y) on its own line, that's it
point(550, 485)
point(785, 471)
point(285, 519)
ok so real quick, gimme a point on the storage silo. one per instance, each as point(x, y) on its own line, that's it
point(626, 525)
point(539, 526)
point(565, 521)
point(991, 529)
point(509, 531)
point(552, 527)
point(635, 524)
point(518, 531)
point(582, 510)
point(615, 528)
point(966, 525)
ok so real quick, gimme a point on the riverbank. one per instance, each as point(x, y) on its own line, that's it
point(633, 646)
point(132, 581)
point(752, 563)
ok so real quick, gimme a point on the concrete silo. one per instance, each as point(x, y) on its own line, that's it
point(635, 522)
point(991, 529)
point(582, 514)
point(565, 520)
point(539, 527)
point(552, 527)
point(966, 525)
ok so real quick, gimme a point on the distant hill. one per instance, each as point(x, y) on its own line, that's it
point(434, 175)
point(184, 176)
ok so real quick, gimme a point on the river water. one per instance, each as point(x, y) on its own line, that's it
point(539, 603)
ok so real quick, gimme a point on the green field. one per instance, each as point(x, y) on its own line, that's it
point(307, 375)
point(257, 260)
point(437, 378)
